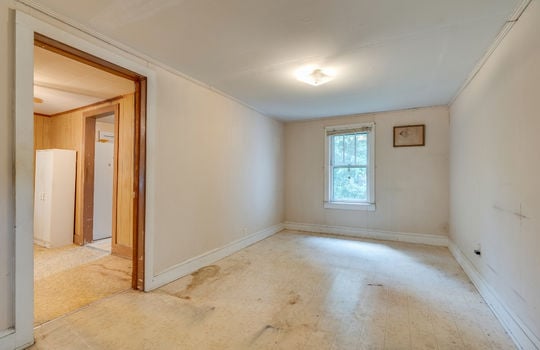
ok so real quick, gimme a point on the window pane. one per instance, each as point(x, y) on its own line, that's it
point(344, 152)
point(349, 184)
point(349, 149)
point(337, 142)
point(361, 149)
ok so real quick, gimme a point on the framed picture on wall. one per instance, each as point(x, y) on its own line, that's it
point(409, 135)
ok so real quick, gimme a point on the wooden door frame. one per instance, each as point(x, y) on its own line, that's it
point(139, 183)
point(90, 119)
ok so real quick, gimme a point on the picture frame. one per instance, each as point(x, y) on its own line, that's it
point(409, 135)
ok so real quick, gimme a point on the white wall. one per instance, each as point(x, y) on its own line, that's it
point(6, 166)
point(218, 171)
point(215, 167)
point(495, 171)
point(411, 183)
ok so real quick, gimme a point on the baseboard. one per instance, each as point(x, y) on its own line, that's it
point(522, 336)
point(121, 251)
point(191, 265)
point(7, 340)
point(420, 238)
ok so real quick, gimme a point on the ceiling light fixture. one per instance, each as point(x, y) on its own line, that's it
point(314, 75)
point(38, 100)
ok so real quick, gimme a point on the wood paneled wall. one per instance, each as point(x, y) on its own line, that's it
point(126, 168)
point(65, 131)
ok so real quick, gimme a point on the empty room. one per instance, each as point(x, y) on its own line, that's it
point(275, 174)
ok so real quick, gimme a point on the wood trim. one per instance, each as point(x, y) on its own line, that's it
point(110, 100)
point(88, 180)
point(123, 252)
point(102, 111)
point(139, 185)
point(115, 177)
point(83, 57)
point(42, 115)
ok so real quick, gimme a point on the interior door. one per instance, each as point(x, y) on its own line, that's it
point(103, 189)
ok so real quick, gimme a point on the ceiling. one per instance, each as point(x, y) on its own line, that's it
point(64, 84)
point(387, 54)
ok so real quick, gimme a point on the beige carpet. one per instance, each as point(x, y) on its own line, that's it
point(48, 261)
point(65, 291)
point(296, 291)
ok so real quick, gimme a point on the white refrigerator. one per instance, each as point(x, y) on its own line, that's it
point(54, 197)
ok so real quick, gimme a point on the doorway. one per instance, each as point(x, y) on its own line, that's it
point(104, 174)
point(25, 28)
point(105, 171)
point(138, 181)
point(106, 196)
point(109, 191)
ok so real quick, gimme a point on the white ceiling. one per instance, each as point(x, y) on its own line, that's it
point(388, 54)
point(64, 84)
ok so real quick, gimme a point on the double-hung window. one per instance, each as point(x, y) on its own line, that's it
point(350, 167)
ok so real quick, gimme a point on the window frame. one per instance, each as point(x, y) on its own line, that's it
point(369, 204)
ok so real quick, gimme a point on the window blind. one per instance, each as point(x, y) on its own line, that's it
point(331, 132)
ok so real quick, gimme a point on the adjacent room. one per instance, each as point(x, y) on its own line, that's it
point(269, 175)
point(82, 215)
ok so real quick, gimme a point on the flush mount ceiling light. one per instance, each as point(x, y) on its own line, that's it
point(314, 75)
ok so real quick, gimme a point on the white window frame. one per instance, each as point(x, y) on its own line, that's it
point(369, 204)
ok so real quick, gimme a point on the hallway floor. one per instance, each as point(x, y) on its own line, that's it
point(68, 278)
point(296, 291)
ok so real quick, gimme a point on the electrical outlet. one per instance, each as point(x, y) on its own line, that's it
point(244, 231)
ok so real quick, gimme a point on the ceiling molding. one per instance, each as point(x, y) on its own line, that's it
point(507, 27)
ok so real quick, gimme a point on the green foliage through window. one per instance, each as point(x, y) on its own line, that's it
point(349, 164)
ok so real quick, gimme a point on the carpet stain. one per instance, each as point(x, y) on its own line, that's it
point(199, 277)
point(107, 268)
point(202, 275)
point(260, 333)
point(375, 284)
point(202, 312)
point(293, 298)
point(281, 322)
point(283, 327)
point(71, 289)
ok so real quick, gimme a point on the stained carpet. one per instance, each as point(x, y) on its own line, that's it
point(296, 291)
point(58, 292)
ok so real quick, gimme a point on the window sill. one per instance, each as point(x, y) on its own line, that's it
point(350, 206)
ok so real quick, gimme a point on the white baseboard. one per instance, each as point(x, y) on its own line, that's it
point(522, 336)
point(419, 238)
point(519, 333)
point(7, 340)
point(191, 265)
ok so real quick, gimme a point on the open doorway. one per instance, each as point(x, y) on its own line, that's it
point(97, 111)
point(104, 176)
point(108, 159)
point(104, 201)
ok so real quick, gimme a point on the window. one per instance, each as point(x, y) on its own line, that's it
point(350, 167)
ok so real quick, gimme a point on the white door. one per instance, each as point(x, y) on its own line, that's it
point(103, 189)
